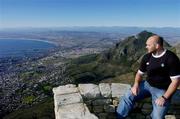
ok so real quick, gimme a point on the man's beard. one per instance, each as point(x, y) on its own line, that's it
point(153, 51)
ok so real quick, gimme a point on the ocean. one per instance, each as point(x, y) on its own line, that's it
point(24, 47)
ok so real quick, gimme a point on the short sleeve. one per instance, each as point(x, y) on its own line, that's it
point(142, 68)
point(174, 66)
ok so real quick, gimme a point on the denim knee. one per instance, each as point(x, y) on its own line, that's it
point(125, 105)
point(157, 115)
point(129, 97)
point(159, 112)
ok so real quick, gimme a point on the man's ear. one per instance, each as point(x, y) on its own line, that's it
point(157, 46)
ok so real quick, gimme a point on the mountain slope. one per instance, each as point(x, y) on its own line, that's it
point(177, 47)
point(130, 49)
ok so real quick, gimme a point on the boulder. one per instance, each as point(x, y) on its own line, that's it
point(89, 91)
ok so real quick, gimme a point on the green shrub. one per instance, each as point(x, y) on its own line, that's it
point(28, 99)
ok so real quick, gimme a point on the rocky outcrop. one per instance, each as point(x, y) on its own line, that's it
point(69, 104)
point(91, 101)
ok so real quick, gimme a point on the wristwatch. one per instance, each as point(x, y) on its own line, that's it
point(164, 97)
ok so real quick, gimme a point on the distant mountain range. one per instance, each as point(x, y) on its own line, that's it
point(171, 34)
point(126, 30)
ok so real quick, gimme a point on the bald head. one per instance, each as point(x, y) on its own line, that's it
point(154, 43)
point(155, 39)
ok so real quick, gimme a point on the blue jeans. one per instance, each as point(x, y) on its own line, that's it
point(128, 100)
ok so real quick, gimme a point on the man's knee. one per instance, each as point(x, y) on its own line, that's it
point(128, 96)
point(127, 99)
point(156, 115)
point(159, 112)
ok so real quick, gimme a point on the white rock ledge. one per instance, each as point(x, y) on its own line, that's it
point(102, 99)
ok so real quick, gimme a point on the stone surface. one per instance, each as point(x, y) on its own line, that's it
point(89, 91)
point(98, 109)
point(74, 111)
point(174, 109)
point(115, 102)
point(170, 117)
point(102, 102)
point(102, 115)
point(111, 116)
point(70, 88)
point(119, 89)
point(109, 108)
point(68, 99)
point(105, 89)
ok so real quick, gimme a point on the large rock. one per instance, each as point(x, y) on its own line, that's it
point(170, 117)
point(89, 91)
point(70, 88)
point(109, 108)
point(102, 102)
point(68, 99)
point(74, 111)
point(69, 102)
point(119, 89)
point(105, 89)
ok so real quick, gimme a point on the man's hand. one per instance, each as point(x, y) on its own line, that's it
point(171, 89)
point(135, 89)
point(160, 101)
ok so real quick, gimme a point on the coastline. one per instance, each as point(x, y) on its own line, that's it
point(46, 41)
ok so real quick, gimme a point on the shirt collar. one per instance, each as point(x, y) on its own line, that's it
point(158, 56)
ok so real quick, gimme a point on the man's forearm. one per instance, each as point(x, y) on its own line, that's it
point(138, 79)
point(135, 88)
point(172, 88)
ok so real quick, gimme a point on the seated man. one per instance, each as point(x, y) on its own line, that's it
point(163, 77)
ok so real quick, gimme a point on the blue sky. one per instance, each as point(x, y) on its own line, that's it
point(60, 13)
